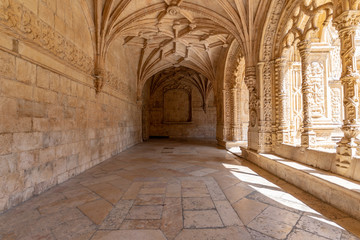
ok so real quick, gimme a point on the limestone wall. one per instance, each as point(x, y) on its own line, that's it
point(182, 117)
point(52, 123)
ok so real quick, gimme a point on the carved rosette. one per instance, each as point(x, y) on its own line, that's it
point(346, 24)
point(308, 138)
point(282, 99)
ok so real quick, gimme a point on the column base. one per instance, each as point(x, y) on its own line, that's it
point(282, 137)
point(308, 139)
point(345, 153)
point(231, 144)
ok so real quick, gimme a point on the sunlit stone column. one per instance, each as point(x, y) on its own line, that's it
point(282, 99)
point(308, 137)
point(347, 24)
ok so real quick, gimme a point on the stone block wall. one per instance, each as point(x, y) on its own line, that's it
point(200, 123)
point(53, 125)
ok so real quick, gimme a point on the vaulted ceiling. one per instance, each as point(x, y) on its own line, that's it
point(172, 33)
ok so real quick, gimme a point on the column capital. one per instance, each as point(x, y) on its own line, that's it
point(350, 18)
point(280, 64)
point(250, 77)
point(281, 60)
point(99, 74)
point(304, 46)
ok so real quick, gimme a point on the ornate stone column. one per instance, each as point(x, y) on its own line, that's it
point(250, 81)
point(265, 70)
point(308, 137)
point(234, 125)
point(282, 101)
point(346, 24)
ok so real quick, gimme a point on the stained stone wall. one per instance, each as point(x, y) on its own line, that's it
point(53, 125)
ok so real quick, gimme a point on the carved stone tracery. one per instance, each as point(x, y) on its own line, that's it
point(347, 24)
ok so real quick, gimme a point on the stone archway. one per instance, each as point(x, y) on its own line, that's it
point(178, 102)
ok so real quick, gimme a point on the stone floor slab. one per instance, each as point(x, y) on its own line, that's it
point(271, 227)
point(320, 227)
point(145, 212)
point(172, 218)
point(143, 194)
point(129, 235)
point(202, 219)
point(231, 233)
point(227, 214)
point(97, 210)
point(198, 203)
point(117, 215)
point(141, 224)
point(248, 209)
point(195, 192)
point(301, 235)
point(143, 200)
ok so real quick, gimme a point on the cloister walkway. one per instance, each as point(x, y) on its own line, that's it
point(176, 189)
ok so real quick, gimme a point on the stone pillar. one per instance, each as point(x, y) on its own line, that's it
point(250, 81)
point(282, 132)
point(346, 24)
point(308, 137)
point(265, 70)
point(234, 134)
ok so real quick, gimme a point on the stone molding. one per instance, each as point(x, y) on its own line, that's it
point(24, 23)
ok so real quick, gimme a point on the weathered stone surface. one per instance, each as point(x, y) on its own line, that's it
point(130, 234)
point(202, 219)
point(230, 233)
point(198, 203)
point(172, 218)
point(117, 215)
point(80, 82)
point(96, 211)
point(87, 205)
point(145, 212)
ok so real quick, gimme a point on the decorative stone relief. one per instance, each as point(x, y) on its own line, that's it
point(336, 105)
point(317, 81)
point(281, 74)
point(295, 115)
point(117, 84)
point(23, 22)
point(254, 104)
point(308, 138)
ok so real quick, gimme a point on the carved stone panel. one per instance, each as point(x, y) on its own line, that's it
point(318, 96)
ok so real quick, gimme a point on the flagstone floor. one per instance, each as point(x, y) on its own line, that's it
point(176, 189)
